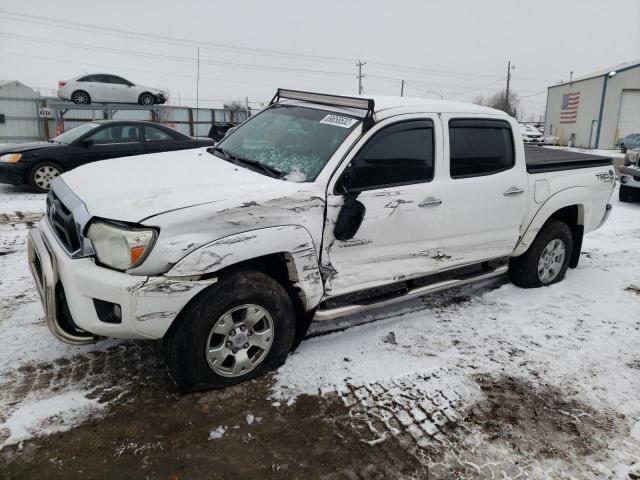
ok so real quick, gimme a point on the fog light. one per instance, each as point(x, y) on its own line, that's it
point(108, 312)
point(624, 179)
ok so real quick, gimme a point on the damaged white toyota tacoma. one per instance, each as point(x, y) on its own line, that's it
point(318, 207)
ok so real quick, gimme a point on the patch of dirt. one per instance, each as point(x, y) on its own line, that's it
point(634, 364)
point(162, 434)
point(20, 217)
point(540, 420)
point(633, 289)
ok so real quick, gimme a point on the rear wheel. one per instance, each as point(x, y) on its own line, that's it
point(239, 328)
point(146, 99)
point(41, 176)
point(81, 98)
point(547, 259)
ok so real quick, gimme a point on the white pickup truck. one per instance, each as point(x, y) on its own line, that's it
point(318, 207)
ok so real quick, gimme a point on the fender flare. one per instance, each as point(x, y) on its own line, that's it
point(564, 198)
point(294, 241)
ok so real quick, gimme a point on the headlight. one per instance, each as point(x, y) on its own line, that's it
point(10, 157)
point(120, 247)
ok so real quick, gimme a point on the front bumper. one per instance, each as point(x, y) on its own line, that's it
point(68, 287)
point(12, 173)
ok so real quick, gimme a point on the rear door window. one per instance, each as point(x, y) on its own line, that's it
point(479, 147)
point(152, 134)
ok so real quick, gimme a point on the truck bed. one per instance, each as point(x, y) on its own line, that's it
point(541, 159)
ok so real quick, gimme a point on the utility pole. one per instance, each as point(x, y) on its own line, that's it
point(360, 64)
point(571, 76)
point(402, 89)
point(509, 68)
point(508, 80)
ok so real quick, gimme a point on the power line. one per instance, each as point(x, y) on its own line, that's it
point(110, 67)
point(185, 42)
point(174, 58)
point(161, 38)
point(182, 59)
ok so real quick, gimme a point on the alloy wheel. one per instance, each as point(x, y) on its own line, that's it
point(551, 260)
point(239, 340)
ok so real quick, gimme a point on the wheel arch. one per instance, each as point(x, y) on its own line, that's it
point(567, 206)
point(287, 253)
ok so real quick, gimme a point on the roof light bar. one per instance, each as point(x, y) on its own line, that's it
point(324, 99)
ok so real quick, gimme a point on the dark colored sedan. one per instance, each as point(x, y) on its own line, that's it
point(36, 164)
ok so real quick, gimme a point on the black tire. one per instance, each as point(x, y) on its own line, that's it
point(523, 270)
point(80, 97)
point(146, 99)
point(626, 194)
point(186, 342)
point(41, 174)
point(623, 149)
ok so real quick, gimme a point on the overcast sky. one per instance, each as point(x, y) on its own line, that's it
point(458, 49)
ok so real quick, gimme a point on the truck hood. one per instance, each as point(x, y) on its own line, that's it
point(133, 189)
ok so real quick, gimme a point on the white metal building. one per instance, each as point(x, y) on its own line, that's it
point(595, 110)
point(18, 112)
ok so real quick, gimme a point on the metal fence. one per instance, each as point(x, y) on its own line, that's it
point(31, 119)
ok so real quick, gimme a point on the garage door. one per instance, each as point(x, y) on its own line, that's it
point(629, 120)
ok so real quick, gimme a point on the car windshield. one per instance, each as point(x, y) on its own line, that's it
point(296, 141)
point(75, 133)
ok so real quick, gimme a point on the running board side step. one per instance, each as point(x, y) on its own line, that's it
point(333, 313)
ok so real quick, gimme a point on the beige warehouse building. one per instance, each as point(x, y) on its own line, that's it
point(597, 109)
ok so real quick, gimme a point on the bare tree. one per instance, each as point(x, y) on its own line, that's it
point(499, 101)
point(480, 100)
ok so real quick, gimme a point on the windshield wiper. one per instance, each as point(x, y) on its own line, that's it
point(232, 157)
point(222, 151)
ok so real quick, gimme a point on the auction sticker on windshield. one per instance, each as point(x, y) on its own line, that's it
point(339, 121)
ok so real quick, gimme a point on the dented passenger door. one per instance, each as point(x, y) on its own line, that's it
point(394, 171)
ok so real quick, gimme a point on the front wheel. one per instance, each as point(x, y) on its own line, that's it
point(41, 176)
point(147, 99)
point(547, 259)
point(239, 328)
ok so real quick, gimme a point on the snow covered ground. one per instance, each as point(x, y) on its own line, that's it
point(489, 383)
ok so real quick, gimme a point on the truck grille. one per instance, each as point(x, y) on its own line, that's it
point(63, 224)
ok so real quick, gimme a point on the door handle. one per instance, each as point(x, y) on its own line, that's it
point(430, 202)
point(513, 191)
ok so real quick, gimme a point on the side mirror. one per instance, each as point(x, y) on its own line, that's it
point(350, 217)
point(87, 142)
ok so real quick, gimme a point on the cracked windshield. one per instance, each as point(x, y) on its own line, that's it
point(297, 141)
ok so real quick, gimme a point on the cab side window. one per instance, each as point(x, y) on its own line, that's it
point(479, 147)
point(400, 154)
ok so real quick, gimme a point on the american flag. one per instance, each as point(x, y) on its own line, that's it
point(569, 110)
